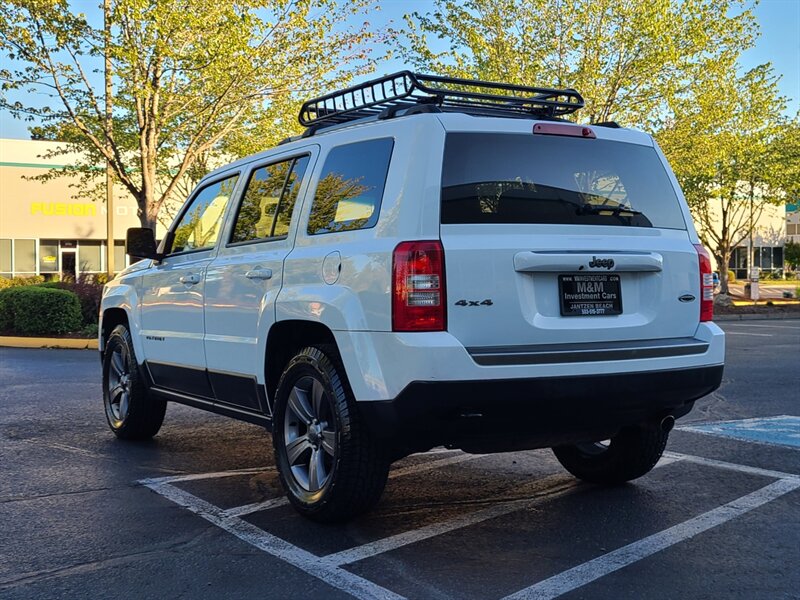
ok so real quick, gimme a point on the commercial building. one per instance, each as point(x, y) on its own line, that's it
point(48, 228)
point(769, 237)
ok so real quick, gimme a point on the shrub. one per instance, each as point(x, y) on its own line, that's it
point(36, 310)
point(89, 292)
point(6, 283)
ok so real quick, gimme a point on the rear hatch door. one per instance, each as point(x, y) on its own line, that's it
point(562, 239)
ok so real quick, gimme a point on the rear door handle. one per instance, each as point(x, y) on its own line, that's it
point(190, 279)
point(259, 274)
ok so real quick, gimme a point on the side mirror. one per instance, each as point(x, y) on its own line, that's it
point(140, 242)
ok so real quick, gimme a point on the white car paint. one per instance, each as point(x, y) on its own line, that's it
point(222, 322)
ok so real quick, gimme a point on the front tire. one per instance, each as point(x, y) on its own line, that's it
point(628, 455)
point(132, 413)
point(328, 464)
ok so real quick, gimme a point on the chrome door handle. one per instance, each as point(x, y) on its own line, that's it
point(190, 279)
point(259, 274)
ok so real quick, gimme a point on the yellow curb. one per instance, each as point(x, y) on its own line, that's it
point(36, 342)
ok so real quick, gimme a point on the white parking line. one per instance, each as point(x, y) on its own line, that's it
point(748, 333)
point(719, 464)
point(240, 511)
point(587, 572)
point(275, 546)
point(541, 491)
point(329, 568)
point(200, 476)
point(764, 326)
point(432, 464)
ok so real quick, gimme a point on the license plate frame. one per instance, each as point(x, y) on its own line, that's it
point(590, 294)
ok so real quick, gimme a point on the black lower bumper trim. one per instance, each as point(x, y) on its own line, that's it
point(531, 413)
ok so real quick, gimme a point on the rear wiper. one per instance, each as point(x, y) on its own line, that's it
point(596, 209)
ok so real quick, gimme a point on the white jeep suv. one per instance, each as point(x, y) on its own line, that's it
point(433, 262)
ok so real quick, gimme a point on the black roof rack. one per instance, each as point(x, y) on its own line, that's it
point(405, 90)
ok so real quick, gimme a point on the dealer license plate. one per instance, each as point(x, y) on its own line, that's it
point(590, 294)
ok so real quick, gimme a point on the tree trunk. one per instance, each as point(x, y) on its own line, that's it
point(722, 264)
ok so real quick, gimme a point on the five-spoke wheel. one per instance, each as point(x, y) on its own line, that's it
point(131, 412)
point(309, 434)
point(328, 464)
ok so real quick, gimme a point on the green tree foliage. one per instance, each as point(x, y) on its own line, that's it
point(726, 144)
point(193, 79)
point(627, 58)
point(791, 254)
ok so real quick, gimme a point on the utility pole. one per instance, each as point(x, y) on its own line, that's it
point(108, 125)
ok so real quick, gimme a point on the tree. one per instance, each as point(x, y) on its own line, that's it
point(626, 58)
point(791, 254)
point(192, 79)
point(725, 142)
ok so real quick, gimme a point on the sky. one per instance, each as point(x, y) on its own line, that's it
point(778, 43)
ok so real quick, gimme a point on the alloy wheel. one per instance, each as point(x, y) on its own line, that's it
point(119, 384)
point(309, 434)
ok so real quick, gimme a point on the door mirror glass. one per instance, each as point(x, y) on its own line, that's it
point(140, 242)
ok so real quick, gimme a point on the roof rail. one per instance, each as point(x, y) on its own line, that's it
point(405, 89)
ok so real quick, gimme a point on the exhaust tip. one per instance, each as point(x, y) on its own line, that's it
point(667, 423)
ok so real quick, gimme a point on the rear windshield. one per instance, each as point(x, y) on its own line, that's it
point(513, 178)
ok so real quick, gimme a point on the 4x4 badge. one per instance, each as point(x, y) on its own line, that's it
point(487, 302)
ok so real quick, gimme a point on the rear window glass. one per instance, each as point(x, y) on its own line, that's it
point(510, 178)
point(350, 187)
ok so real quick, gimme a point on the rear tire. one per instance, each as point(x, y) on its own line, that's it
point(329, 466)
point(631, 453)
point(132, 413)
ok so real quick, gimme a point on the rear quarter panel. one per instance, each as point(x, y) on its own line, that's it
point(360, 299)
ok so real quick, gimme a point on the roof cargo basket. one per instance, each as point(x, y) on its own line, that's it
point(405, 90)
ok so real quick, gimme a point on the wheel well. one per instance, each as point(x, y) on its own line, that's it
point(283, 342)
point(111, 318)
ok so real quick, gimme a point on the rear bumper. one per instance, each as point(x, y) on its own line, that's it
point(508, 414)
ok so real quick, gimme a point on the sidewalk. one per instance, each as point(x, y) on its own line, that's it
point(766, 292)
point(41, 342)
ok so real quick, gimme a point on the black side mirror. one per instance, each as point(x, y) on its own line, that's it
point(140, 242)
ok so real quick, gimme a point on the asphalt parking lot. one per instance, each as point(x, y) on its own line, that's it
point(198, 512)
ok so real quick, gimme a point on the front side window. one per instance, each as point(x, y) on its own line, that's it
point(268, 201)
point(200, 225)
point(350, 187)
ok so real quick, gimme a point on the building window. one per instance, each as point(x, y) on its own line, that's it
point(119, 256)
point(5, 258)
point(24, 257)
point(48, 256)
point(89, 254)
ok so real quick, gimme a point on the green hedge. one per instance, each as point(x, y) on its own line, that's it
point(5, 282)
point(34, 310)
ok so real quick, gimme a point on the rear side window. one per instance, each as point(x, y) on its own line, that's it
point(351, 187)
point(268, 201)
point(511, 178)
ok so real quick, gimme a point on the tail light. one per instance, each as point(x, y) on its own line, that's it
point(706, 284)
point(418, 288)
